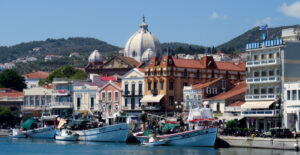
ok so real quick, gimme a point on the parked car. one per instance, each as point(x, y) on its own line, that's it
point(278, 133)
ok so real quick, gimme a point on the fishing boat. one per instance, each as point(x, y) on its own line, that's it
point(197, 130)
point(30, 129)
point(66, 135)
point(153, 141)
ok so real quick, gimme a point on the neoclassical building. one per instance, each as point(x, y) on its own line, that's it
point(142, 45)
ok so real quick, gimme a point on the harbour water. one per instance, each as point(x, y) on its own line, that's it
point(10, 146)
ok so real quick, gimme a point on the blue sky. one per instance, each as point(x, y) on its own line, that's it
point(203, 22)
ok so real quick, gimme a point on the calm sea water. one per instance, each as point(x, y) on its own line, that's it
point(51, 147)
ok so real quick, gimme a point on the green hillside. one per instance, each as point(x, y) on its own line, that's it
point(238, 43)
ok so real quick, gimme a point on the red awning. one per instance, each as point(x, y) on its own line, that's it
point(108, 78)
point(202, 119)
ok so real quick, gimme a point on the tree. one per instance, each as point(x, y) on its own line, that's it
point(11, 79)
point(68, 72)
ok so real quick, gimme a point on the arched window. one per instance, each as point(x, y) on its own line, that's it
point(134, 54)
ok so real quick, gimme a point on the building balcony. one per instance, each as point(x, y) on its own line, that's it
point(263, 79)
point(12, 99)
point(260, 113)
point(59, 105)
point(31, 107)
point(132, 93)
point(261, 97)
point(266, 62)
point(61, 92)
point(232, 109)
point(129, 108)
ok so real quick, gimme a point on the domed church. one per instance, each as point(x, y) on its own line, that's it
point(142, 45)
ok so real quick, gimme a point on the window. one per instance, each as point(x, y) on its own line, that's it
point(133, 89)
point(198, 75)
point(126, 89)
point(255, 91)
point(48, 99)
point(264, 73)
point(294, 94)
point(43, 100)
point(26, 100)
point(256, 57)
point(215, 90)
point(187, 97)
point(162, 85)
point(31, 100)
point(109, 96)
point(116, 96)
point(288, 95)
point(171, 86)
point(155, 85)
point(126, 102)
point(185, 84)
point(78, 103)
point(161, 71)
point(271, 91)
point(140, 89)
point(208, 90)
point(37, 100)
point(185, 74)
point(92, 103)
point(103, 97)
point(149, 85)
point(298, 94)
point(199, 97)
point(264, 56)
point(277, 54)
point(171, 100)
point(256, 73)
point(271, 72)
point(271, 56)
point(171, 72)
point(218, 107)
point(263, 91)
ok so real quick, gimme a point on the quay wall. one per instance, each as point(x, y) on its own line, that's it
point(4, 132)
point(256, 142)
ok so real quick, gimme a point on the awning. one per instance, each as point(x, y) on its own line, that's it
point(257, 105)
point(230, 118)
point(152, 98)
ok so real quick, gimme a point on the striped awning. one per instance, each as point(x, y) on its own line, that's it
point(257, 105)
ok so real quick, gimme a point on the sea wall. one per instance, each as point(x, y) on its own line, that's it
point(256, 142)
point(4, 132)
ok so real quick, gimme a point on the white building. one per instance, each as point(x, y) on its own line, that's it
point(270, 63)
point(32, 79)
point(142, 45)
point(292, 105)
point(132, 91)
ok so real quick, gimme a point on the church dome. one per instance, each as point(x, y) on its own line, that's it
point(95, 57)
point(140, 42)
point(148, 54)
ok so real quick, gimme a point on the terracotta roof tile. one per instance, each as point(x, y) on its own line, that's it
point(229, 66)
point(7, 92)
point(36, 75)
point(141, 70)
point(132, 61)
point(188, 63)
point(236, 104)
point(119, 84)
point(239, 88)
point(203, 85)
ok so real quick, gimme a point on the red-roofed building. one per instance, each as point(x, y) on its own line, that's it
point(167, 76)
point(32, 79)
point(222, 104)
point(12, 99)
point(110, 99)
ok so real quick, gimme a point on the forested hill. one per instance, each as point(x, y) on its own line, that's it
point(62, 47)
point(238, 43)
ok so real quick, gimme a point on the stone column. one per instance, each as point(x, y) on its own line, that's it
point(256, 124)
point(247, 123)
point(297, 121)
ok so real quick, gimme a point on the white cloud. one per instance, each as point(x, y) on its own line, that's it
point(215, 15)
point(292, 10)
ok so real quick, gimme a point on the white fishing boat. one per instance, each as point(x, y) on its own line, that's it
point(199, 130)
point(17, 133)
point(154, 142)
point(66, 135)
point(109, 133)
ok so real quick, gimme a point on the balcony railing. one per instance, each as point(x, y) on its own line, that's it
point(129, 107)
point(260, 113)
point(132, 93)
point(151, 107)
point(62, 105)
point(233, 109)
point(265, 62)
point(263, 79)
point(261, 97)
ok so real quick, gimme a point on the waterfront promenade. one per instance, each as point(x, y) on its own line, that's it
point(258, 142)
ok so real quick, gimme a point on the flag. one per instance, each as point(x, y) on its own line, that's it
point(263, 27)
